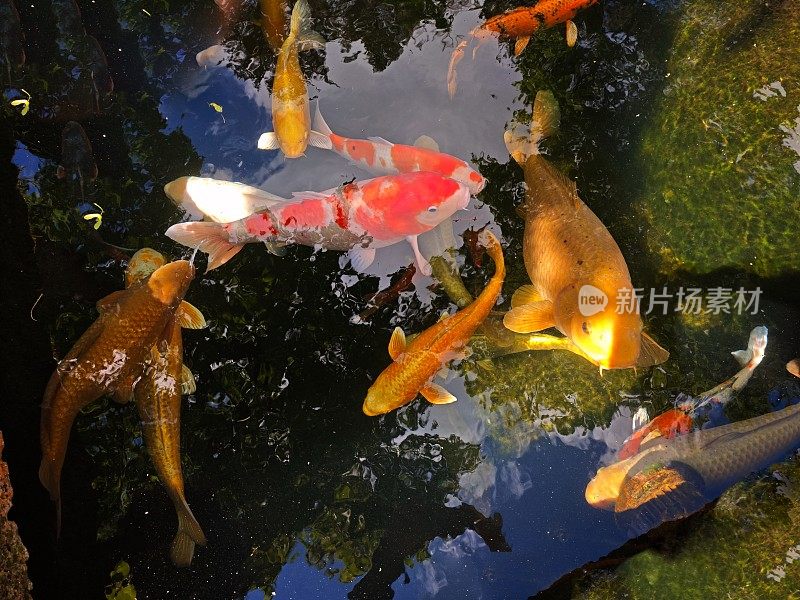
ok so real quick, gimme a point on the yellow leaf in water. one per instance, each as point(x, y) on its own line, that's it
point(215, 106)
point(97, 217)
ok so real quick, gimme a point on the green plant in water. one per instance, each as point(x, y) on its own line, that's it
point(121, 587)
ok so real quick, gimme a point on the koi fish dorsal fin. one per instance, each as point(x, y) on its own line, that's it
point(397, 343)
point(650, 353)
point(521, 44)
point(427, 142)
point(530, 317)
point(189, 316)
point(188, 384)
point(436, 394)
point(380, 140)
point(526, 294)
point(572, 33)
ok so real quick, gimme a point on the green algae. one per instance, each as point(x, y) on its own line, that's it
point(720, 185)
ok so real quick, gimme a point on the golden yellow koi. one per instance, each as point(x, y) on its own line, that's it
point(417, 362)
point(291, 116)
point(578, 273)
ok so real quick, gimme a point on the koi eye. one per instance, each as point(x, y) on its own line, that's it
point(433, 209)
point(585, 327)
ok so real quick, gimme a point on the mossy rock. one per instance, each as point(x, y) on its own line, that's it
point(721, 187)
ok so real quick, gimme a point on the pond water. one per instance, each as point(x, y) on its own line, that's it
point(672, 145)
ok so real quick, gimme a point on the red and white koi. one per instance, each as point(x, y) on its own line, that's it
point(382, 157)
point(357, 217)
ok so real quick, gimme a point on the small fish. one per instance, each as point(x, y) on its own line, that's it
point(672, 478)
point(521, 23)
point(211, 56)
point(12, 40)
point(415, 364)
point(383, 297)
point(793, 366)
point(109, 358)
point(158, 401)
point(381, 157)
point(668, 424)
point(219, 201)
point(359, 216)
point(291, 116)
point(273, 22)
point(102, 83)
point(569, 256)
point(77, 156)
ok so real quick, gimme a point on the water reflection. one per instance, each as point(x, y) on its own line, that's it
point(298, 492)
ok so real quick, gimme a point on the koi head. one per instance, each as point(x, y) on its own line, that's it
point(471, 178)
point(438, 201)
point(612, 339)
point(169, 283)
point(142, 264)
point(604, 488)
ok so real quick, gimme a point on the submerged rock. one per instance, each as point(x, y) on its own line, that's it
point(720, 156)
point(14, 583)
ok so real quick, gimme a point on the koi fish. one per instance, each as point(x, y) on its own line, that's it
point(415, 363)
point(12, 40)
point(291, 116)
point(569, 256)
point(672, 478)
point(109, 358)
point(521, 23)
point(219, 201)
point(668, 425)
point(158, 401)
point(793, 366)
point(381, 157)
point(749, 358)
point(273, 22)
point(102, 83)
point(679, 420)
point(378, 299)
point(358, 217)
point(77, 156)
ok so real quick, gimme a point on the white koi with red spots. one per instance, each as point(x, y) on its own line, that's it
point(382, 157)
point(357, 217)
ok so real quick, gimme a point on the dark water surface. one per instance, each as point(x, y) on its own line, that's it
point(299, 493)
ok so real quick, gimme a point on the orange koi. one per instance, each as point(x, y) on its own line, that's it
point(521, 23)
point(667, 425)
point(415, 364)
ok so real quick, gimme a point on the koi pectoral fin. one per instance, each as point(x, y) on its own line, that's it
point(268, 141)
point(189, 316)
point(423, 265)
point(530, 317)
point(320, 140)
point(361, 258)
point(572, 33)
point(436, 394)
point(651, 353)
point(521, 44)
point(188, 384)
point(526, 294)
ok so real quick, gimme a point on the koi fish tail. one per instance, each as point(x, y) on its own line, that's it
point(452, 76)
point(493, 248)
point(189, 534)
point(523, 141)
point(50, 476)
point(211, 238)
point(300, 28)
